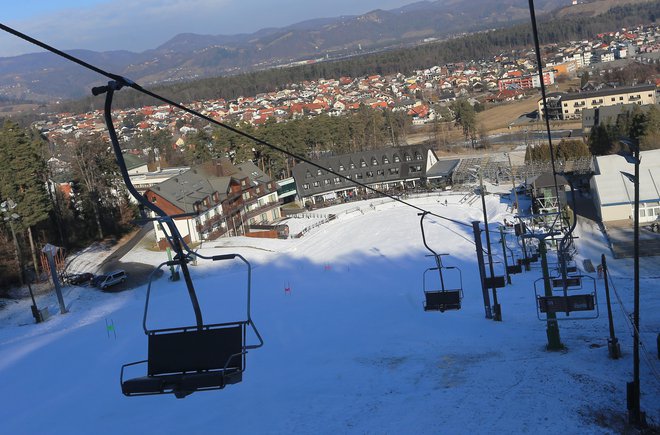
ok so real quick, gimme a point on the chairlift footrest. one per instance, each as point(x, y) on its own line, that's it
point(180, 384)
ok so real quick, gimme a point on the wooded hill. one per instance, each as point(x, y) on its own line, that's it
point(472, 47)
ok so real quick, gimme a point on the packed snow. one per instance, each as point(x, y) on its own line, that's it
point(348, 348)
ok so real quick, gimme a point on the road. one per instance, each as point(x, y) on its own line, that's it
point(138, 273)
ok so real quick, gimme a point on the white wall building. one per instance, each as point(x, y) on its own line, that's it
point(614, 194)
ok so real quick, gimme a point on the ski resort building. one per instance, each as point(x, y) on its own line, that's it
point(397, 168)
point(614, 195)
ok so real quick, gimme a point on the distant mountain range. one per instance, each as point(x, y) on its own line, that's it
point(45, 77)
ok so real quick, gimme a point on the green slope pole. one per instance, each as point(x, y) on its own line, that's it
point(552, 330)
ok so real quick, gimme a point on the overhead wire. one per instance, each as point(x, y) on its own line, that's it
point(631, 327)
point(129, 83)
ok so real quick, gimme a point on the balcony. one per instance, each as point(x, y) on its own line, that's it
point(263, 209)
point(208, 224)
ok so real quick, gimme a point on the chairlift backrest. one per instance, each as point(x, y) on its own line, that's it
point(194, 350)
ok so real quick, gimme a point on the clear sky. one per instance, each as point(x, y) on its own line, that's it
point(138, 25)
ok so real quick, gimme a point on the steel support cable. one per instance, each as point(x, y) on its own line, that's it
point(129, 83)
point(632, 329)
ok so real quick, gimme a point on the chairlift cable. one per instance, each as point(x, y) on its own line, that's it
point(631, 327)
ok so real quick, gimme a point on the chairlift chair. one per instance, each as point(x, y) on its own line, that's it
point(497, 281)
point(571, 299)
point(183, 360)
point(445, 298)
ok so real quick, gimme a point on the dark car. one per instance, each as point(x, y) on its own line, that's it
point(80, 278)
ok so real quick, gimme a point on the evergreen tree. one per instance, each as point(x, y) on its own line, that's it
point(23, 178)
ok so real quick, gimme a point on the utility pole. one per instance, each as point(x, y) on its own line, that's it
point(635, 415)
point(6, 207)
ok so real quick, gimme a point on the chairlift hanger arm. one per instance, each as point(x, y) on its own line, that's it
point(175, 239)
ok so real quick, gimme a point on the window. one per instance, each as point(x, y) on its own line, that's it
point(620, 98)
point(407, 157)
point(341, 167)
point(394, 171)
point(318, 172)
point(326, 181)
point(374, 162)
point(337, 180)
point(308, 175)
point(306, 186)
point(418, 156)
point(358, 176)
point(317, 184)
point(363, 164)
point(613, 99)
point(370, 174)
point(351, 165)
point(386, 161)
point(565, 104)
point(380, 172)
point(396, 158)
point(416, 168)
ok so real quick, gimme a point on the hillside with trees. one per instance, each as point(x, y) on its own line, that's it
point(475, 46)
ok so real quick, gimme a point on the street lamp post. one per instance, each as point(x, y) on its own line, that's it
point(6, 207)
point(635, 415)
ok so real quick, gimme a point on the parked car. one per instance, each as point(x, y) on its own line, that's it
point(109, 279)
point(79, 278)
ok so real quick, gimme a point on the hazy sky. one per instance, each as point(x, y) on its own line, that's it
point(138, 25)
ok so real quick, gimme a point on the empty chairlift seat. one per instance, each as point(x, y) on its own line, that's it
point(442, 300)
point(182, 361)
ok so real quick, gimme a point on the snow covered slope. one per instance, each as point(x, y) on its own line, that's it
point(349, 350)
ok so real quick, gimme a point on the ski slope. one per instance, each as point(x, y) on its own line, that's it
point(348, 350)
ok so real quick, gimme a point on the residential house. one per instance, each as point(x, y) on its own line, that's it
point(215, 199)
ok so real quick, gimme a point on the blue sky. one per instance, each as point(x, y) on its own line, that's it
point(139, 25)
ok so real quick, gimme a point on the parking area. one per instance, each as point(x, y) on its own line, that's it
point(621, 235)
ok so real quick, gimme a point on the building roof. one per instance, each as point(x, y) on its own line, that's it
point(442, 168)
point(615, 189)
point(606, 92)
point(133, 161)
point(191, 187)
